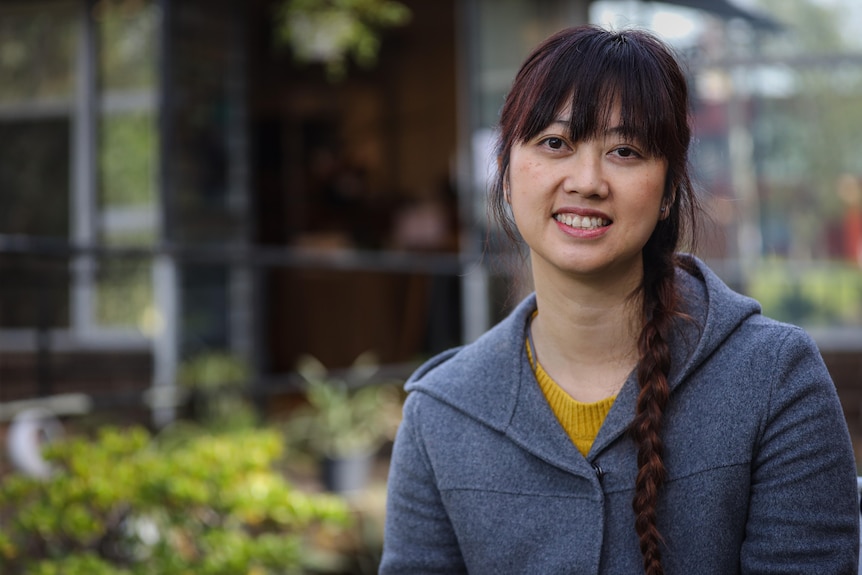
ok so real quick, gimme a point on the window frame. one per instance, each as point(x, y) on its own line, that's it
point(85, 106)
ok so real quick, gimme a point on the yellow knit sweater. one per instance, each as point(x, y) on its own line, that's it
point(581, 421)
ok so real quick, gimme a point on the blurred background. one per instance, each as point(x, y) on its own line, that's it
point(197, 196)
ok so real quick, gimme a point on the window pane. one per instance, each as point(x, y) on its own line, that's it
point(37, 56)
point(128, 144)
point(34, 177)
point(127, 159)
point(34, 193)
point(124, 293)
point(34, 292)
point(37, 52)
point(127, 37)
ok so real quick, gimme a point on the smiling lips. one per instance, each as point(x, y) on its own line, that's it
point(582, 222)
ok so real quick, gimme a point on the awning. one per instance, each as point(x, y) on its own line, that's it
point(728, 10)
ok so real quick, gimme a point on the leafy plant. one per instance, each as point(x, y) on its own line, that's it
point(216, 381)
point(329, 31)
point(345, 415)
point(128, 504)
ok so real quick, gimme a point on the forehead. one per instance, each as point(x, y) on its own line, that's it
point(605, 119)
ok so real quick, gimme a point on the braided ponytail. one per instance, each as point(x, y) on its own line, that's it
point(652, 373)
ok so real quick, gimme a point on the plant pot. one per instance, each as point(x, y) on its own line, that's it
point(346, 475)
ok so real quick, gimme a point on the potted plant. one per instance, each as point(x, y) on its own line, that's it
point(216, 382)
point(328, 31)
point(346, 421)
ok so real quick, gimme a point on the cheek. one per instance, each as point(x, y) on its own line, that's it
point(522, 200)
point(523, 166)
point(522, 172)
point(652, 188)
point(529, 183)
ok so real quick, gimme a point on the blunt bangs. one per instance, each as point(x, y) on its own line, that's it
point(594, 73)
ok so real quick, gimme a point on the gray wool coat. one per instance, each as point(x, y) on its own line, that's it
point(761, 474)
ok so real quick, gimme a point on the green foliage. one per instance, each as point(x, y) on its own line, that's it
point(128, 504)
point(127, 159)
point(213, 371)
point(345, 415)
point(810, 295)
point(128, 37)
point(124, 293)
point(333, 30)
point(217, 380)
point(37, 50)
point(84, 564)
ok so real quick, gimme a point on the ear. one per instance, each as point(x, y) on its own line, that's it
point(666, 205)
point(507, 191)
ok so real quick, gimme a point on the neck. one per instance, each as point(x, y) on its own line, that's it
point(586, 334)
point(599, 328)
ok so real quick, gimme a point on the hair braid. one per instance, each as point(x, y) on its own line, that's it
point(660, 300)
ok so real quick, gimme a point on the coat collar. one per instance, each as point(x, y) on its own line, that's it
point(491, 380)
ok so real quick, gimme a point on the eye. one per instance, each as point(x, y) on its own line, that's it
point(554, 143)
point(626, 152)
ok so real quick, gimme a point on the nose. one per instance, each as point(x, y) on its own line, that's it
point(584, 173)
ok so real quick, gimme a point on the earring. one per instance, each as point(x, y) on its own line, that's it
point(667, 202)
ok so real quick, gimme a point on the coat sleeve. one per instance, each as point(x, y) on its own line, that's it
point(804, 508)
point(418, 536)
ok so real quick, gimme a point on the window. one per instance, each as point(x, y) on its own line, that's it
point(37, 87)
point(78, 141)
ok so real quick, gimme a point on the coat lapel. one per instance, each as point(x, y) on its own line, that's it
point(535, 428)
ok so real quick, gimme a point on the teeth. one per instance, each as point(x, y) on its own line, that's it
point(584, 222)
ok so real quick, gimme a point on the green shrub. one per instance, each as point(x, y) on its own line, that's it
point(809, 294)
point(126, 503)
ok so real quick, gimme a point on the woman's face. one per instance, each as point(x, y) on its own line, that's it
point(586, 209)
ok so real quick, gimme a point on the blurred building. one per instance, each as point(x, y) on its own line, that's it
point(174, 182)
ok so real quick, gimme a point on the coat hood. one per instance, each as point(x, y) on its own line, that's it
point(492, 381)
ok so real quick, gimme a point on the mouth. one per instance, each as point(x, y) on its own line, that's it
point(582, 222)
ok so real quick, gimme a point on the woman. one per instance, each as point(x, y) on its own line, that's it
point(633, 414)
